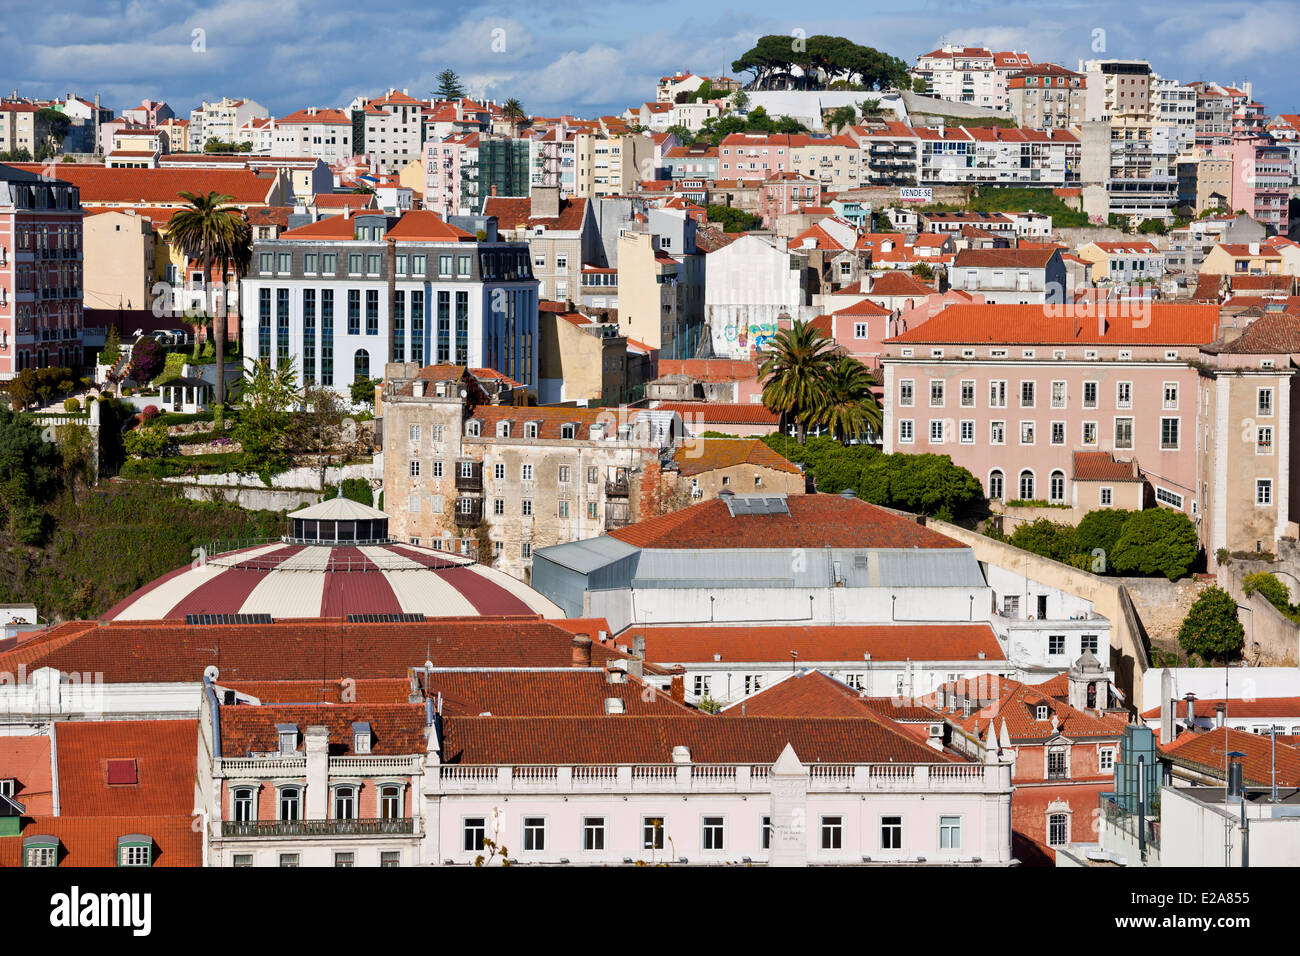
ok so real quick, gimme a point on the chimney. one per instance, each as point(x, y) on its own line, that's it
point(613, 705)
point(546, 202)
point(581, 650)
point(1191, 711)
point(494, 189)
point(1218, 714)
point(1166, 706)
point(638, 646)
point(681, 754)
point(678, 691)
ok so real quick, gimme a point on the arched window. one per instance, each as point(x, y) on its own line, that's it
point(995, 484)
point(1026, 485)
point(390, 801)
point(1056, 487)
point(360, 365)
point(243, 808)
point(290, 803)
point(345, 803)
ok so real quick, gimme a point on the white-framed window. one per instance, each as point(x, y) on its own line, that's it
point(861, 330)
point(905, 426)
point(1026, 485)
point(1089, 394)
point(1264, 440)
point(891, 833)
point(936, 393)
point(1263, 491)
point(415, 433)
point(1106, 497)
point(1089, 436)
point(997, 433)
point(998, 394)
point(1123, 394)
point(390, 801)
point(1058, 433)
point(1041, 712)
point(1026, 433)
point(1170, 393)
point(968, 393)
point(499, 471)
point(593, 833)
point(1058, 395)
point(1169, 434)
point(1056, 487)
point(1058, 829)
point(652, 832)
point(832, 833)
point(1055, 647)
point(534, 834)
point(243, 806)
point(996, 482)
point(949, 833)
point(1027, 394)
point(1170, 498)
point(345, 802)
point(906, 392)
point(1123, 433)
point(473, 831)
point(936, 431)
point(437, 468)
point(290, 803)
point(1264, 402)
point(713, 833)
point(526, 472)
point(289, 860)
point(1106, 759)
point(967, 431)
point(526, 507)
point(415, 468)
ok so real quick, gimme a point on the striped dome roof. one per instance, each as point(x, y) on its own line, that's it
point(297, 580)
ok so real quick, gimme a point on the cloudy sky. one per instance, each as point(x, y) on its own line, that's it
point(580, 56)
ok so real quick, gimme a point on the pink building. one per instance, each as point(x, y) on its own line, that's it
point(40, 272)
point(1011, 392)
point(785, 193)
point(1261, 180)
point(445, 164)
point(755, 155)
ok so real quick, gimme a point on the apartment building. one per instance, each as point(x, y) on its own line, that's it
point(1261, 180)
point(612, 165)
point(581, 358)
point(393, 131)
point(1123, 263)
point(1213, 116)
point(972, 75)
point(751, 286)
point(325, 134)
point(222, 120)
point(697, 161)
point(661, 283)
point(1012, 392)
point(21, 127)
point(1117, 87)
point(561, 234)
point(1047, 96)
point(997, 155)
point(531, 476)
point(344, 295)
point(1129, 168)
point(553, 159)
point(834, 161)
point(889, 154)
point(1011, 276)
point(40, 272)
point(120, 257)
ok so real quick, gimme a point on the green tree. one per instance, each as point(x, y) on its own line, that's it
point(112, 347)
point(731, 219)
point(28, 477)
point(842, 116)
point(1048, 538)
point(1100, 530)
point(794, 373)
point(264, 421)
point(513, 111)
point(215, 235)
point(147, 441)
point(363, 391)
point(449, 85)
point(1211, 629)
point(319, 431)
point(358, 489)
point(848, 406)
point(918, 85)
point(76, 456)
point(1156, 541)
point(923, 271)
point(1269, 585)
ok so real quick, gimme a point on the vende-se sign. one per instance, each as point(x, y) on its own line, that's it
point(916, 193)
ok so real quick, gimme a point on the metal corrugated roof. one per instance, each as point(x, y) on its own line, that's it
point(922, 568)
point(588, 555)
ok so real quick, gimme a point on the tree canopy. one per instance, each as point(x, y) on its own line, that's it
point(1211, 629)
point(449, 85)
point(774, 57)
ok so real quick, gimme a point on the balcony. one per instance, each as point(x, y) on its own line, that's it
point(469, 511)
point(616, 488)
point(317, 828)
point(617, 514)
point(471, 481)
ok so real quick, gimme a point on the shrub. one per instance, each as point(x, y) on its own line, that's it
point(148, 441)
point(128, 390)
point(149, 414)
point(1051, 540)
point(71, 405)
point(1211, 629)
point(1267, 584)
point(1157, 540)
point(358, 489)
point(1100, 530)
point(147, 359)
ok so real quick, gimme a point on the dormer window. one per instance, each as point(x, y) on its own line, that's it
point(361, 738)
point(135, 849)
point(41, 851)
point(567, 431)
point(1040, 712)
point(503, 429)
point(288, 737)
point(530, 429)
point(472, 428)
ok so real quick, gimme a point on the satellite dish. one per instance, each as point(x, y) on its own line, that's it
point(210, 673)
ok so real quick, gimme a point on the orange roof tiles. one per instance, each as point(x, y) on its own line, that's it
point(708, 454)
point(1005, 258)
point(722, 413)
point(1102, 466)
point(1164, 324)
point(99, 184)
point(164, 753)
point(1238, 707)
point(92, 841)
point(1205, 752)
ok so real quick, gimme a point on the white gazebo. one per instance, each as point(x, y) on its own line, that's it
point(186, 395)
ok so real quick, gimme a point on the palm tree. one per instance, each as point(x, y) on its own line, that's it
point(513, 111)
point(849, 406)
point(794, 373)
point(215, 236)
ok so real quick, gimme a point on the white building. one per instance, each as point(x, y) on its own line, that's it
point(749, 285)
point(323, 133)
point(221, 120)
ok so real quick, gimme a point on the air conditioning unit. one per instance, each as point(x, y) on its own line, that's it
point(936, 730)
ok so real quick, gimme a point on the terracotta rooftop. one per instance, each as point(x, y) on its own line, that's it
point(1206, 752)
point(722, 413)
point(681, 644)
point(99, 184)
point(1164, 324)
point(708, 454)
point(126, 767)
point(92, 841)
point(1237, 707)
point(1102, 466)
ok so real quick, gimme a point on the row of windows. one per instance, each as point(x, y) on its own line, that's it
point(941, 432)
point(713, 833)
point(1059, 394)
point(527, 472)
point(289, 803)
point(341, 858)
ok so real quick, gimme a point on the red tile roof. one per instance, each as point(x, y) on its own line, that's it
point(92, 841)
point(1205, 752)
point(1015, 705)
point(898, 283)
point(709, 454)
point(1167, 324)
point(293, 650)
point(1274, 333)
point(1238, 707)
point(396, 729)
point(629, 739)
point(99, 184)
point(164, 753)
point(814, 521)
point(1005, 258)
point(681, 644)
point(573, 692)
point(1102, 466)
point(722, 413)
point(27, 761)
point(512, 213)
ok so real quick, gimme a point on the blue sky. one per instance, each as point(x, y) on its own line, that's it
point(578, 56)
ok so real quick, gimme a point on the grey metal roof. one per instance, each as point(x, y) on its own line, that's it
point(927, 568)
point(587, 555)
